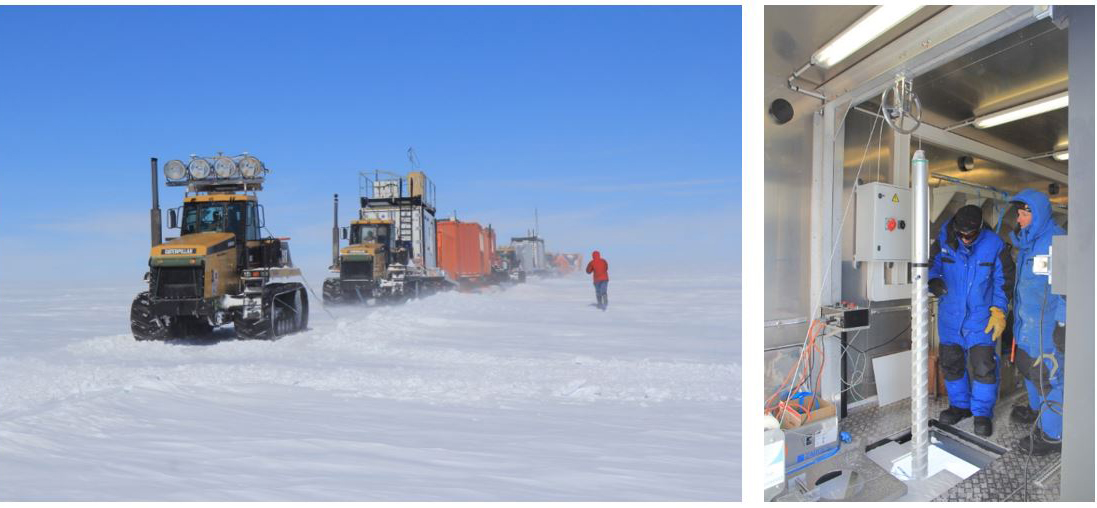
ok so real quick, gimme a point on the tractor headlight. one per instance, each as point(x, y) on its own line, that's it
point(199, 168)
point(175, 170)
point(250, 167)
point(225, 167)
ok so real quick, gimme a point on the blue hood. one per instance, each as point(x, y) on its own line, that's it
point(1041, 217)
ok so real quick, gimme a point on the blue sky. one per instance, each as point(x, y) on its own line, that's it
point(621, 125)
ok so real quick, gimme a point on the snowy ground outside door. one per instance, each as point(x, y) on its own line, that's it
point(525, 394)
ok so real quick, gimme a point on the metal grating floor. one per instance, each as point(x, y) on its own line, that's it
point(1003, 480)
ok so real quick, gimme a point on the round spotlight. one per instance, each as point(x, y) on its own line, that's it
point(225, 167)
point(250, 167)
point(175, 170)
point(199, 168)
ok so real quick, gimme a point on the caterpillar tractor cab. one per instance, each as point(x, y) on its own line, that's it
point(392, 252)
point(364, 263)
point(220, 270)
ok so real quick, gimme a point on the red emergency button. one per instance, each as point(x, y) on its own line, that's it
point(891, 225)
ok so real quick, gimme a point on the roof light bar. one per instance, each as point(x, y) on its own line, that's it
point(879, 20)
point(1061, 156)
point(216, 171)
point(1057, 101)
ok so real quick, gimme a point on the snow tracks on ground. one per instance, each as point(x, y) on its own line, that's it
point(539, 341)
point(527, 393)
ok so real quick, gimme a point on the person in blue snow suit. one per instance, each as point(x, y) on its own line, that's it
point(1039, 326)
point(971, 274)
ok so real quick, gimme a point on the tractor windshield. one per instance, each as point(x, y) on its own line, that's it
point(219, 217)
point(370, 233)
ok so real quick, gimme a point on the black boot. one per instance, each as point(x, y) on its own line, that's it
point(953, 415)
point(1023, 415)
point(1038, 444)
point(983, 426)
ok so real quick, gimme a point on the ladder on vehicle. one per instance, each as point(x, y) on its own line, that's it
point(404, 226)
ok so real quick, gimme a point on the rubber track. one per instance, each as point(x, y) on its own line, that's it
point(333, 291)
point(142, 323)
point(264, 328)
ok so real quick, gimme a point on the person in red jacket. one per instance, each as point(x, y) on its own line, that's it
point(600, 268)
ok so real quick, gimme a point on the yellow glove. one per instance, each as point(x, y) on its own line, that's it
point(997, 322)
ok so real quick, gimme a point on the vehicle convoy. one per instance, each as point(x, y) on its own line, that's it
point(220, 270)
point(392, 253)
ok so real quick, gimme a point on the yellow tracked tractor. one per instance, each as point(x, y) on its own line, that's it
point(392, 253)
point(220, 270)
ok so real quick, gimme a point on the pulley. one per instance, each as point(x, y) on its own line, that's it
point(901, 107)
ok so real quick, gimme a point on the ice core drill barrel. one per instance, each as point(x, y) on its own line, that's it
point(919, 318)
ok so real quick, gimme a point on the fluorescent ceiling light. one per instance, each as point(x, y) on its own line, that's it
point(864, 31)
point(1044, 105)
point(1061, 156)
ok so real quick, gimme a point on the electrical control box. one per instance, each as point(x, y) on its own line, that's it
point(844, 318)
point(883, 228)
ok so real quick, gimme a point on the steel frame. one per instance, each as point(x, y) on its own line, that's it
point(949, 34)
point(1078, 438)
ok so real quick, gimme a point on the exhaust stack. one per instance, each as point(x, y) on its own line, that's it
point(335, 232)
point(919, 317)
point(154, 214)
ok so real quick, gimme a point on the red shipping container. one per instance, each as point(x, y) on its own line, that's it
point(462, 250)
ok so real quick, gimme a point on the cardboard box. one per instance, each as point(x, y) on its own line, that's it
point(809, 442)
point(820, 410)
point(809, 436)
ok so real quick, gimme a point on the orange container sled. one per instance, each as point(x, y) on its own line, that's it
point(465, 249)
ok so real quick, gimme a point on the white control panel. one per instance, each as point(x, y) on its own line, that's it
point(883, 223)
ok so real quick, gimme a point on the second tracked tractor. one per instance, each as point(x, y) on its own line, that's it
point(220, 270)
point(392, 253)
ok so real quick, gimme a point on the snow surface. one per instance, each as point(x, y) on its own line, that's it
point(524, 394)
